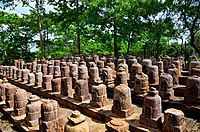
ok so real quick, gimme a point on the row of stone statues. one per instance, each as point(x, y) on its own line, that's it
point(44, 112)
point(62, 76)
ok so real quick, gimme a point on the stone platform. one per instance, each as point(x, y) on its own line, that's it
point(103, 114)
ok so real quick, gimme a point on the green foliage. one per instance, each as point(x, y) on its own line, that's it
point(100, 27)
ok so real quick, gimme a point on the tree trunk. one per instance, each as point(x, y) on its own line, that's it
point(115, 42)
point(40, 26)
point(78, 29)
point(129, 43)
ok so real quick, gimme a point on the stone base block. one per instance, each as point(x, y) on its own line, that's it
point(99, 104)
point(116, 125)
point(82, 98)
point(123, 113)
point(154, 123)
point(20, 111)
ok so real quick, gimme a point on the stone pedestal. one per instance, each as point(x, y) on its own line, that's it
point(39, 68)
point(33, 111)
point(34, 66)
point(117, 125)
point(44, 69)
point(66, 86)
point(49, 121)
point(121, 76)
point(19, 74)
point(56, 85)
point(20, 98)
point(174, 121)
point(99, 96)
point(81, 90)
point(74, 73)
point(46, 83)
point(64, 70)
point(145, 64)
point(50, 69)
point(122, 105)
point(10, 96)
point(153, 74)
point(166, 63)
point(56, 71)
point(107, 77)
point(192, 93)
point(14, 73)
point(159, 63)
point(25, 73)
point(38, 79)
point(141, 84)
point(83, 71)
point(166, 87)
point(135, 69)
point(76, 123)
point(151, 112)
point(31, 79)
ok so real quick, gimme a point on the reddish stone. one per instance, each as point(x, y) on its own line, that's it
point(38, 79)
point(20, 98)
point(152, 110)
point(44, 69)
point(33, 111)
point(10, 96)
point(56, 85)
point(31, 79)
point(117, 125)
point(166, 87)
point(122, 105)
point(66, 86)
point(153, 74)
point(46, 84)
point(81, 90)
point(141, 85)
point(25, 73)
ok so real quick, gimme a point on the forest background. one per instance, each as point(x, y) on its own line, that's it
point(105, 27)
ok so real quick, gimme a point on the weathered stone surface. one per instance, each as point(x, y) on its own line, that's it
point(74, 73)
point(38, 79)
point(122, 105)
point(166, 87)
point(56, 71)
point(166, 63)
point(25, 73)
point(10, 90)
point(82, 71)
point(39, 68)
point(175, 73)
point(66, 86)
point(107, 77)
point(33, 111)
point(20, 99)
point(125, 66)
point(153, 74)
point(64, 69)
point(50, 69)
point(31, 79)
point(49, 116)
point(56, 85)
point(44, 69)
point(14, 76)
point(159, 63)
point(99, 96)
point(174, 121)
point(46, 83)
point(117, 125)
point(76, 123)
point(145, 64)
point(121, 76)
point(19, 74)
point(151, 112)
point(81, 90)
point(141, 84)
point(100, 65)
point(34, 66)
point(193, 64)
point(192, 95)
point(3, 87)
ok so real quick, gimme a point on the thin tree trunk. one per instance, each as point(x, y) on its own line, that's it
point(129, 43)
point(78, 29)
point(40, 26)
point(115, 42)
